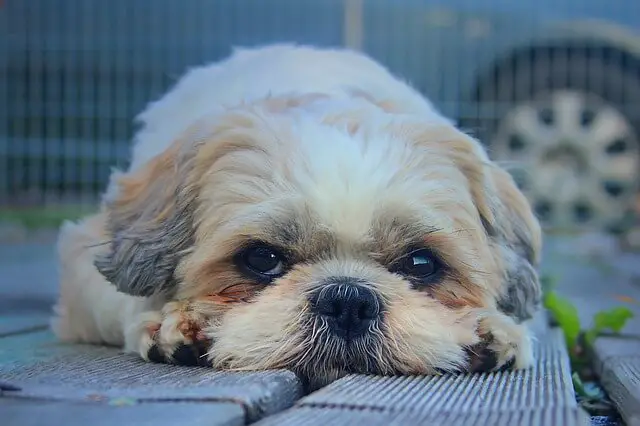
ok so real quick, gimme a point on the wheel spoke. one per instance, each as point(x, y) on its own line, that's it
point(608, 128)
point(620, 167)
point(525, 121)
point(568, 107)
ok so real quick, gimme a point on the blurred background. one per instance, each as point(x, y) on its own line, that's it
point(551, 86)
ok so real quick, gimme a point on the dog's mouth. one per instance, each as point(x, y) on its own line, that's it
point(322, 372)
point(332, 356)
point(364, 357)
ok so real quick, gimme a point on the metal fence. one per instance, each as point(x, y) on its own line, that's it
point(552, 86)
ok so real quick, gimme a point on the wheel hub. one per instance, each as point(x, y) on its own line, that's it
point(573, 155)
point(565, 155)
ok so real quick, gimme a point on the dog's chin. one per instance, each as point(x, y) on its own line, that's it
point(331, 357)
point(342, 358)
point(336, 357)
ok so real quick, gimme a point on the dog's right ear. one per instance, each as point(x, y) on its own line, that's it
point(150, 224)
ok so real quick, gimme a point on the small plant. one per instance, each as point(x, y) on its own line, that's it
point(565, 314)
point(612, 319)
point(580, 341)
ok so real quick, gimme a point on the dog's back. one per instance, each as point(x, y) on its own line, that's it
point(254, 73)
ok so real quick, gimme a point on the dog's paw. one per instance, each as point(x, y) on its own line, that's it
point(173, 336)
point(484, 357)
point(504, 345)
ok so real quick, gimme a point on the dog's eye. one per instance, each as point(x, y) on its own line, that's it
point(264, 261)
point(419, 264)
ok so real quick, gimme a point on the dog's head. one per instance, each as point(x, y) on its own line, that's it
point(332, 237)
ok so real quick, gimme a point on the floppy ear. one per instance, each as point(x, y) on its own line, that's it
point(517, 236)
point(513, 230)
point(149, 220)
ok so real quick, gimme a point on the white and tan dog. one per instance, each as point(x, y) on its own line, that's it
point(301, 208)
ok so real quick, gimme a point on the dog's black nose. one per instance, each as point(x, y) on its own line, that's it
point(348, 307)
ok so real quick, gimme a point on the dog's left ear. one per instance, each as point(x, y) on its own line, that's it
point(517, 239)
point(513, 230)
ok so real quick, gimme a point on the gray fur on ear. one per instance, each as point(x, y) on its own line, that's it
point(150, 223)
point(142, 259)
point(516, 237)
point(522, 291)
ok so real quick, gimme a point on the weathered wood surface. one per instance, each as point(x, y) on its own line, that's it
point(58, 384)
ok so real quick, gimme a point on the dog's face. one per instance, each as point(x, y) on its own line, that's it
point(328, 238)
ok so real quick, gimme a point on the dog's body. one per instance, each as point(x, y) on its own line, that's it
point(301, 208)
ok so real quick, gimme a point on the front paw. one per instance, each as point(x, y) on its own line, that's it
point(504, 345)
point(484, 358)
point(173, 336)
point(187, 354)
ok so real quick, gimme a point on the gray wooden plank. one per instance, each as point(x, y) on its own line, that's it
point(17, 412)
point(29, 281)
point(542, 395)
point(311, 416)
point(45, 369)
point(16, 324)
point(620, 377)
point(608, 348)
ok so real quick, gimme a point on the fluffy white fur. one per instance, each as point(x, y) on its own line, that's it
point(250, 74)
point(90, 309)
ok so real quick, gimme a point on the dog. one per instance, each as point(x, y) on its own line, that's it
point(303, 208)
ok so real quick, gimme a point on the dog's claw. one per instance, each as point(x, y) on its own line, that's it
point(155, 355)
point(483, 360)
point(507, 365)
point(191, 355)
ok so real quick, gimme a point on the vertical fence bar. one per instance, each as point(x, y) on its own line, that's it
point(353, 24)
point(5, 114)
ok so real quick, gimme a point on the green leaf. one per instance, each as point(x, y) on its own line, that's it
point(578, 385)
point(565, 314)
point(613, 319)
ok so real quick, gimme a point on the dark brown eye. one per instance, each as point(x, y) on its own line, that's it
point(262, 261)
point(420, 264)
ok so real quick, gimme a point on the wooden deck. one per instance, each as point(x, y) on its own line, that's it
point(49, 383)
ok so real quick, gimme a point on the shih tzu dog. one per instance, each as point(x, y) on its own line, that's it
point(301, 208)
